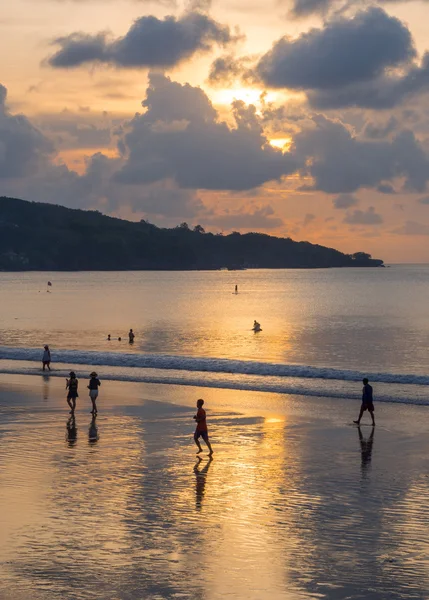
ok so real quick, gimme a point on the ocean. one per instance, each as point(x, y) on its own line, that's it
point(322, 330)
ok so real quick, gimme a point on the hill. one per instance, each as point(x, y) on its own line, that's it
point(35, 236)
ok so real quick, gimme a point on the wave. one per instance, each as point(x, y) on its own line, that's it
point(208, 365)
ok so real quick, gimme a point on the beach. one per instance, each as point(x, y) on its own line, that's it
point(294, 505)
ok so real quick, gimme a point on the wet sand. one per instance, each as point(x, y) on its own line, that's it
point(294, 505)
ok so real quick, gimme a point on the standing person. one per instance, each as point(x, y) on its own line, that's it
point(201, 429)
point(236, 289)
point(367, 401)
point(72, 386)
point(94, 384)
point(46, 360)
point(131, 336)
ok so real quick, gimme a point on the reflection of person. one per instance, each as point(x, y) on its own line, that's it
point(131, 336)
point(71, 431)
point(200, 482)
point(72, 385)
point(93, 431)
point(201, 429)
point(367, 402)
point(366, 448)
point(94, 384)
point(46, 360)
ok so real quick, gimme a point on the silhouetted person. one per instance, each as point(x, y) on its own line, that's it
point(131, 336)
point(256, 326)
point(71, 431)
point(94, 384)
point(236, 289)
point(201, 429)
point(367, 402)
point(366, 448)
point(200, 482)
point(108, 338)
point(46, 360)
point(119, 339)
point(72, 385)
point(93, 431)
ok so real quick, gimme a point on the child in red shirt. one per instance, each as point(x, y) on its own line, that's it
point(201, 429)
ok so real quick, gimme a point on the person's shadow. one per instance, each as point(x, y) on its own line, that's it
point(93, 436)
point(366, 450)
point(200, 482)
point(71, 431)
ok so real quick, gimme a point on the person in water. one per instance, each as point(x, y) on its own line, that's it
point(367, 402)
point(108, 338)
point(256, 326)
point(72, 385)
point(131, 336)
point(46, 360)
point(201, 429)
point(236, 289)
point(94, 384)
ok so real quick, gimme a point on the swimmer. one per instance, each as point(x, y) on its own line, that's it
point(256, 326)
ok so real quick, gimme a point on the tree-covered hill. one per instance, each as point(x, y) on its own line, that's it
point(36, 236)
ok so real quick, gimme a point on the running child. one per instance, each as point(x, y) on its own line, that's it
point(201, 429)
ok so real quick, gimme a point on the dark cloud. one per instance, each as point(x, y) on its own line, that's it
point(377, 131)
point(304, 8)
point(344, 52)
point(412, 228)
point(253, 218)
point(150, 42)
point(345, 201)
point(23, 148)
point(385, 188)
point(339, 162)
point(424, 200)
point(361, 217)
point(77, 130)
point(384, 92)
point(179, 137)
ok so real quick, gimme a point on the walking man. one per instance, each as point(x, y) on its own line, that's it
point(367, 402)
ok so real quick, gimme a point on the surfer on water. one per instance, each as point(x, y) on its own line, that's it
point(367, 402)
point(201, 429)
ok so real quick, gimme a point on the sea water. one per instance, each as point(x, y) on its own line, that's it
point(322, 330)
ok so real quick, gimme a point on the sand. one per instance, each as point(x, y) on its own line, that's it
point(294, 505)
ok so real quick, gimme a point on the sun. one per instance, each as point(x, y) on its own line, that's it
point(283, 143)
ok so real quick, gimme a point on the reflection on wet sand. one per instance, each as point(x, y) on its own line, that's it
point(71, 431)
point(200, 483)
point(281, 513)
point(366, 450)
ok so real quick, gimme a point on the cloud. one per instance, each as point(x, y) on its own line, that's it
point(412, 228)
point(253, 218)
point(23, 148)
point(339, 162)
point(424, 200)
point(360, 217)
point(385, 188)
point(344, 52)
point(309, 218)
point(180, 137)
point(150, 42)
point(345, 201)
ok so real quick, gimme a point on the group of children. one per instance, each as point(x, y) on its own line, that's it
point(72, 386)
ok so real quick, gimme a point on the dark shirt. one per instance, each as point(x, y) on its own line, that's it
point(72, 385)
point(367, 394)
point(94, 383)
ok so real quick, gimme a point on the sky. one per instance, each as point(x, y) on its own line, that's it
point(306, 119)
